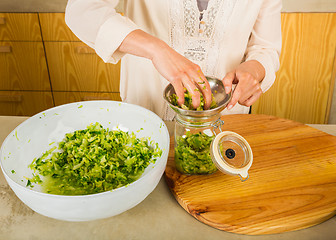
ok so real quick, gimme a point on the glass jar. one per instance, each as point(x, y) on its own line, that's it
point(193, 138)
point(201, 147)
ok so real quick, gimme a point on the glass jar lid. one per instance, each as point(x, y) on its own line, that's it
point(232, 154)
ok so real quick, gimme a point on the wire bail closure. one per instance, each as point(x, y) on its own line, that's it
point(217, 124)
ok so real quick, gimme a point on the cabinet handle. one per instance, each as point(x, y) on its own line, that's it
point(11, 98)
point(2, 20)
point(84, 50)
point(88, 98)
point(5, 49)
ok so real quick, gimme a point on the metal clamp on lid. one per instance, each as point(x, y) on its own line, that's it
point(232, 154)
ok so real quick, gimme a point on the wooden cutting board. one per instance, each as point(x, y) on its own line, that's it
point(292, 183)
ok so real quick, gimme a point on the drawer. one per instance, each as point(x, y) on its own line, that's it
point(19, 27)
point(69, 97)
point(23, 66)
point(54, 28)
point(24, 103)
point(73, 66)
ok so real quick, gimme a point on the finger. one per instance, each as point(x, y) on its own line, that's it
point(179, 90)
point(250, 86)
point(227, 81)
point(193, 90)
point(252, 99)
point(204, 86)
point(235, 97)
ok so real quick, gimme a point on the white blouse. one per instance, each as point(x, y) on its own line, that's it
point(218, 39)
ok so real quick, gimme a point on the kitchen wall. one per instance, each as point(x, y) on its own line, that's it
point(309, 5)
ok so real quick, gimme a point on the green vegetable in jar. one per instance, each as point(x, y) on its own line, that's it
point(188, 102)
point(93, 160)
point(192, 154)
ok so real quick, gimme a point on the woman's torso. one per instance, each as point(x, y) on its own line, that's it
point(216, 40)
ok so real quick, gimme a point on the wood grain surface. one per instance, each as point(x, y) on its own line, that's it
point(69, 97)
point(292, 182)
point(24, 103)
point(19, 27)
point(304, 84)
point(54, 28)
point(73, 70)
point(23, 66)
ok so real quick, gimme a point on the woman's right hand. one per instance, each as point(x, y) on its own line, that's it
point(178, 70)
point(183, 75)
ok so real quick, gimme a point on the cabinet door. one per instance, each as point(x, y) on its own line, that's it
point(74, 66)
point(19, 27)
point(24, 103)
point(54, 28)
point(69, 97)
point(303, 88)
point(23, 66)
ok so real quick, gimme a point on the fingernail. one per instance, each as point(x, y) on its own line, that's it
point(227, 89)
point(229, 107)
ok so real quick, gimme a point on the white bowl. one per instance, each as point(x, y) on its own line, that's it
point(40, 132)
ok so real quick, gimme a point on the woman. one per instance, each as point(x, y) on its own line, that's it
point(180, 41)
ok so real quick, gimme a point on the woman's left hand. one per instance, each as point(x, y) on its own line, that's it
point(247, 76)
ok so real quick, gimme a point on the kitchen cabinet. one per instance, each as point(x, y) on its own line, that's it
point(53, 28)
point(74, 66)
point(24, 80)
point(76, 71)
point(19, 27)
point(67, 97)
point(24, 103)
point(23, 66)
point(304, 85)
point(43, 64)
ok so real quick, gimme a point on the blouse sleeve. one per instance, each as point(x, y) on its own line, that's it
point(97, 24)
point(265, 41)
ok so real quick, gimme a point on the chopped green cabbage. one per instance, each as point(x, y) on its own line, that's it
point(93, 160)
point(192, 154)
point(188, 102)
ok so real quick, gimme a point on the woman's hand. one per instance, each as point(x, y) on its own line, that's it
point(182, 74)
point(178, 70)
point(247, 76)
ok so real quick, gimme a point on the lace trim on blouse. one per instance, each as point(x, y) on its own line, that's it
point(197, 35)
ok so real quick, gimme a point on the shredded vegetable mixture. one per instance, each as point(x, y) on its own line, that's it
point(188, 102)
point(192, 154)
point(93, 160)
